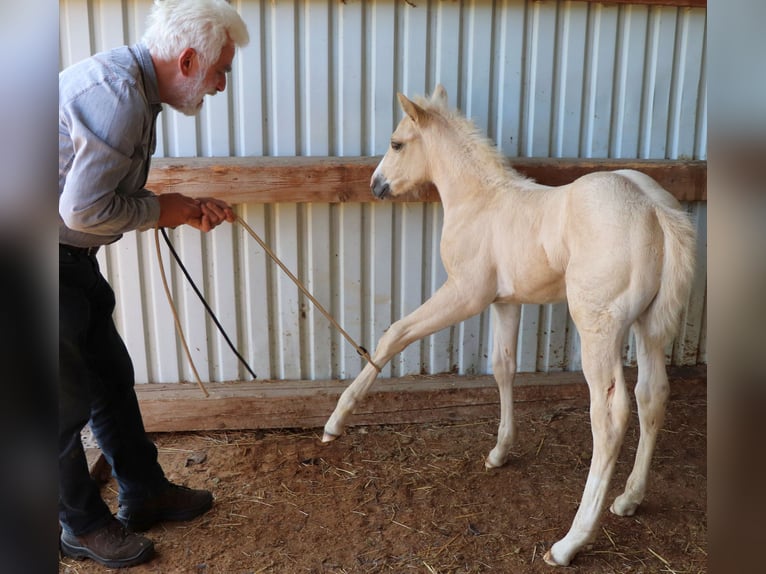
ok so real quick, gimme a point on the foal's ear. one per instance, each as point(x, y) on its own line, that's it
point(418, 114)
point(439, 97)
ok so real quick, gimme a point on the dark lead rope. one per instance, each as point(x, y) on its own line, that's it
point(207, 307)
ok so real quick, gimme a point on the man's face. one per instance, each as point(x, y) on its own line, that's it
point(202, 82)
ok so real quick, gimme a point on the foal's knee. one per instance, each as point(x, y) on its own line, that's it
point(504, 369)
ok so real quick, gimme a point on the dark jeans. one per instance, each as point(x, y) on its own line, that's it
point(96, 384)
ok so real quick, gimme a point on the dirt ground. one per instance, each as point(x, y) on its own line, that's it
point(416, 498)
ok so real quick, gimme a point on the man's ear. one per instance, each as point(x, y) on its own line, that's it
point(186, 61)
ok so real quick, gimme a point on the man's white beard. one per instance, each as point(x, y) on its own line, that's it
point(191, 102)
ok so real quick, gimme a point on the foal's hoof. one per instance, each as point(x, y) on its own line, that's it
point(329, 437)
point(623, 506)
point(548, 557)
point(558, 557)
point(495, 460)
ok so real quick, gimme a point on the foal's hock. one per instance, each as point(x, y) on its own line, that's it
point(615, 245)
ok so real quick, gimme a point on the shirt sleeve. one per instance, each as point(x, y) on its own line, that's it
point(109, 131)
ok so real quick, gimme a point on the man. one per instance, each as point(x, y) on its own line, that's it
point(108, 105)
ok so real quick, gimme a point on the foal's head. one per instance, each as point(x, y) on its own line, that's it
point(405, 166)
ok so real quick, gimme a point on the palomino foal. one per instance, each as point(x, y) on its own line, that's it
point(615, 245)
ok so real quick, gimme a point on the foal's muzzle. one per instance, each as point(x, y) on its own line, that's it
point(380, 187)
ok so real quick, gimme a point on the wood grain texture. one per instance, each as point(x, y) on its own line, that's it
point(677, 3)
point(347, 179)
point(308, 404)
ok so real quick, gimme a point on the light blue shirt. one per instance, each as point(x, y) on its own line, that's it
point(108, 105)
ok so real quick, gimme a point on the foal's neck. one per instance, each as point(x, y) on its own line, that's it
point(471, 171)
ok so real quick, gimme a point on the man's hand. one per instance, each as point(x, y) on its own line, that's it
point(216, 211)
point(203, 214)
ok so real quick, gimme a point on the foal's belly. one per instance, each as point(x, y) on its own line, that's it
point(544, 288)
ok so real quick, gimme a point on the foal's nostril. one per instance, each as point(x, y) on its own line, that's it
point(380, 187)
point(381, 191)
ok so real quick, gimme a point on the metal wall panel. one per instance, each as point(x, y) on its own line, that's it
point(544, 78)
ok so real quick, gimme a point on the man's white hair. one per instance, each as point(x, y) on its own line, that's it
point(204, 25)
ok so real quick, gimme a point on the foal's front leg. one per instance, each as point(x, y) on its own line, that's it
point(449, 305)
point(506, 330)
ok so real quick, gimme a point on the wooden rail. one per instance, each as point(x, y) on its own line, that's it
point(412, 399)
point(677, 3)
point(347, 179)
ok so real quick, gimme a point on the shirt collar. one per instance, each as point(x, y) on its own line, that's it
point(150, 75)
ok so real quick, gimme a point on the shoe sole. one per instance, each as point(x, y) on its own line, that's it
point(80, 552)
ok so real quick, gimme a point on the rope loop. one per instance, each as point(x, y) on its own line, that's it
point(359, 349)
point(175, 312)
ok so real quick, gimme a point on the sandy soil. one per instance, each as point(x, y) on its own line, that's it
point(416, 498)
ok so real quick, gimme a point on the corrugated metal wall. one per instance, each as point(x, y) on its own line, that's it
point(546, 78)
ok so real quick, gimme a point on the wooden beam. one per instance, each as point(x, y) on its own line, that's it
point(686, 180)
point(677, 3)
point(347, 179)
point(308, 404)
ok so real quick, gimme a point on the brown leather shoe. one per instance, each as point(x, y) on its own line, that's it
point(111, 545)
point(174, 503)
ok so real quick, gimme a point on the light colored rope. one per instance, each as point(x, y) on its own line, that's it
point(359, 349)
point(175, 312)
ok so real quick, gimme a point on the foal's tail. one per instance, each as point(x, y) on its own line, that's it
point(663, 315)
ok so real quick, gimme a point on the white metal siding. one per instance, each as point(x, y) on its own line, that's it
point(546, 78)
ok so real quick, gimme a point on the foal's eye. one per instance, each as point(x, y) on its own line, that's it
point(396, 146)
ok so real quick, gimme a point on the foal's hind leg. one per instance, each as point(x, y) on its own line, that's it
point(506, 330)
point(652, 391)
point(609, 410)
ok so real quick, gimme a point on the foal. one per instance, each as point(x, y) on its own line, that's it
point(615, 245)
